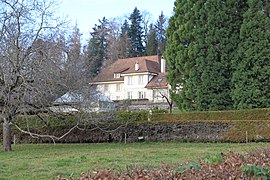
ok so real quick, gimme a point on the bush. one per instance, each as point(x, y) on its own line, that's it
point(246, 115)
point(159, 111)
point(132, 116)
point(253, 171)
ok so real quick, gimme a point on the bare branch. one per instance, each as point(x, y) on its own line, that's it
point(54, 138)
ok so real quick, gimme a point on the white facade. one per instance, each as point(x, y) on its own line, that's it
point(133, 87)
point(134, 78)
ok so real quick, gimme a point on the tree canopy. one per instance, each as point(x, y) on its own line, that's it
point(213, 55)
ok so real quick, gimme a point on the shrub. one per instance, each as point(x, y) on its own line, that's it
point(159, 111)
point(213, 158)
point(256, 171)
point(132, 116)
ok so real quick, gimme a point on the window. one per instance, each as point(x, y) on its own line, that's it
point(130, 80)
point(141, 95)
point(118, 87)
point(156, 94)
point(140, 80)
point(129, 94)
point(106, 87)
point(116, 75)
point(159, 80)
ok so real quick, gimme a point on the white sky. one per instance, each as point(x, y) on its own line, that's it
point(87, 12)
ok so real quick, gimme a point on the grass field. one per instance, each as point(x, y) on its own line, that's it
point(46, 161)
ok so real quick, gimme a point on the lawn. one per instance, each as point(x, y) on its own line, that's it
point(46, 161)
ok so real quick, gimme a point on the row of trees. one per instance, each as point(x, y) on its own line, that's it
point(136, 36)
point(218, 54)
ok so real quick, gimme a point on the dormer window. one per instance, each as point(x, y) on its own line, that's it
point(159, 80)
point(116, 75)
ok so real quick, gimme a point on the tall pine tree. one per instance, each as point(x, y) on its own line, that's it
point(251, 78)
point(152, 42)
point(161, 32)
point(136, 34)
point(97, 47)
point(124, 41)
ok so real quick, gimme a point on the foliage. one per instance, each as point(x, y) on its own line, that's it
point(98, 47)
point(217, 54)
point(159, 111)
point(131, 116)
point(161, 32)
point(136, 34)
point(191, 166)
point(243, 125)
point(124, 41)
point(152, 43)
point(213, 158)
point(251, 63)
point(232, 115)
point(256, 171)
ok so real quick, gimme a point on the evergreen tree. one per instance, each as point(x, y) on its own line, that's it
point(152, 44)
point(124, 41)
point(251, 78)
point(202, 38)
point(179, 52)
point(161, 32)
point(97, 47)
point(136, 34)
point(217, 38)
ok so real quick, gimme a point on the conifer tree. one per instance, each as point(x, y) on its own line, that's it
point(97, 47)
point(202, 38)
point(136, 34)
point(179, 52)
point(251, 77)
point(124, 41)
point(161, 32)
point(217, 38)
point(152, 43)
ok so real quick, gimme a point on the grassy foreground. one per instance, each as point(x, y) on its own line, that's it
point(47, 161)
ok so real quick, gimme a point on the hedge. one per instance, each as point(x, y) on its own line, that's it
point(251, 125)
point(247, 115)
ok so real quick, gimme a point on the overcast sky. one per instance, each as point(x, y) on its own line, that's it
point(87, 12)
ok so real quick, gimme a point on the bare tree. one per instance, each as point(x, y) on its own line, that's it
point(163, 90)
point(30, 67)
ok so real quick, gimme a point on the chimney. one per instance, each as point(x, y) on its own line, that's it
point(162, 65)
point(137, 66)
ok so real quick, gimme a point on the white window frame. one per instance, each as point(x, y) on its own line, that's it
point(118, 87)
point(129, 94)
point(141, 95)
point(116, 75)
point(130, 80)
point(140, 79)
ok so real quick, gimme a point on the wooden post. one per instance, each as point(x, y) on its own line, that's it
point(246, 137)
point(14, 139)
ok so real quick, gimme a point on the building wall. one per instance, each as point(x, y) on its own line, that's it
point(133, 87)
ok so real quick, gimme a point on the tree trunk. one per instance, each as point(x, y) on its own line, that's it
point(6, 135)
point(170, 107)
